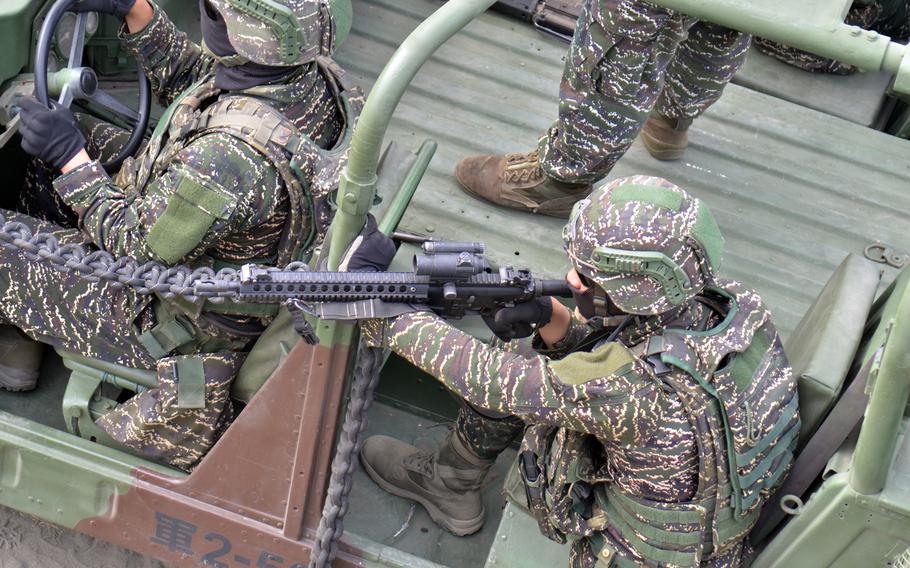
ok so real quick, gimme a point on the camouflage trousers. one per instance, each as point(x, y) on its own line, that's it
point(887, 17)
point(486, 433)
point(176, 423)
point(628, 57)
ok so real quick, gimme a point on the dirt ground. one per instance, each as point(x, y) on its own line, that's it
point(27, 542)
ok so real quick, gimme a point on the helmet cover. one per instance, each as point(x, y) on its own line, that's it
point(650, 245)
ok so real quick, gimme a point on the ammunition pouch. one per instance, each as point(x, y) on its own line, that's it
point(557, 468)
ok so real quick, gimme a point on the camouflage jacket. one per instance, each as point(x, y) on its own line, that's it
point(664, 439)
point(235, 191)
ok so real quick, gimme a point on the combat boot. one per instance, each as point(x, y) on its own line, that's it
point(20, 360)
point(666, 138)
point(518, 181)
point(446, 481)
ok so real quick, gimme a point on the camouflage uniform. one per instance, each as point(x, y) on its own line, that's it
point(649, 422)
point(626, 57)
point(202, 197)
point(888, 17)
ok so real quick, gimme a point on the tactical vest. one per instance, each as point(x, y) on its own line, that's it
point(740, 399)
point(310, 174)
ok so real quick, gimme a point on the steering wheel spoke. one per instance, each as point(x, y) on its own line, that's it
point(106, 100)
point(75, 57)
point(84, 88)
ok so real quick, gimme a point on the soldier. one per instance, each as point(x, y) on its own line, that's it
point(213, 187)
point(661, 414)
point(627, 58)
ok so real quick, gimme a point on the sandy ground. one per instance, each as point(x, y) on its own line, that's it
point(27, 542)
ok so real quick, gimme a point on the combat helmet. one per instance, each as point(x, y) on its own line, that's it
point(650, 245)
point(283, 33)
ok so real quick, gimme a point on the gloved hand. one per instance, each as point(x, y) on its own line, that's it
point(119, 8)
point(53, 135)
point(371, 251)
point(521, 320)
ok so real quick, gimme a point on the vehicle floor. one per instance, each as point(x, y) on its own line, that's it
point(793, 189)
point(403, 525)
point(28, 542)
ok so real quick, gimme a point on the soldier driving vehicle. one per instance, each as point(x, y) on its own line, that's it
point(214, 186)
point(812, 206)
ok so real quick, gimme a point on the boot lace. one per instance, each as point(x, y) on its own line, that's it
point(421, 462)
point(522, 168)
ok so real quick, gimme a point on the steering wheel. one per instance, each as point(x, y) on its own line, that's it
point(81, 82)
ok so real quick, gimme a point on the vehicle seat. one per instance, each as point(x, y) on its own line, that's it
point(84, 400)
point(822, 347)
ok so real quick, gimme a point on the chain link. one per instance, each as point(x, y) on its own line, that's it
point(193, 283)
point(337, 502)
point(148, 278)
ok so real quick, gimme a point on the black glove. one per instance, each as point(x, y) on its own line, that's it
point(119, 8)
point(521, 320)
point(371, 251)
point(53, 135)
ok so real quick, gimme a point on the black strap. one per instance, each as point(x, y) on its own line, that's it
point(843, 418)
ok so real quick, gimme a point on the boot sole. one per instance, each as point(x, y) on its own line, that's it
point(661, 151)
point(457, 527)
point(15, 380)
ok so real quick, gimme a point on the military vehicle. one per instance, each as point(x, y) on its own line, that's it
point(801, 178)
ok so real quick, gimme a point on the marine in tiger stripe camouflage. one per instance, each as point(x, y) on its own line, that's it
point(682, 407)
point(191, 195)
point(628, 57)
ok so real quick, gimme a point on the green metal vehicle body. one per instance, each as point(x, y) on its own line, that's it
point(795, 190)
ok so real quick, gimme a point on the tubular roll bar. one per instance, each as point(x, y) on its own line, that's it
point(357, 187)
point(816, 26)
point(879, 434)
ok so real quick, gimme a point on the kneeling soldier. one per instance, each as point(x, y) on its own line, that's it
point(660, 415)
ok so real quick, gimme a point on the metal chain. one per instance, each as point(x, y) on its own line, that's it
point(170, 281)
point(331, 525)
point(121, 272)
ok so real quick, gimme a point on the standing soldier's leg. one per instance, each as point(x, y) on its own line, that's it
point(446, 481)
point(613, 75)
point(696, 78)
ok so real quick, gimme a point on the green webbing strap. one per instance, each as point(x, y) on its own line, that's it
point(190, 383)
point(653, 514)
point(646, 549)
point(598, 544)
point(734, 526)
point(237, 309)
point(615, 511)
point(165, 120)
point(728, 435)
point(786, 416)
point(165, 337)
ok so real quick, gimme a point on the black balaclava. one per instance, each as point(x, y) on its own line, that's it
point(241, 77)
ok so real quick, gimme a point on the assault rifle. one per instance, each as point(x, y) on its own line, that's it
point(453, 279)
point(553, 17)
